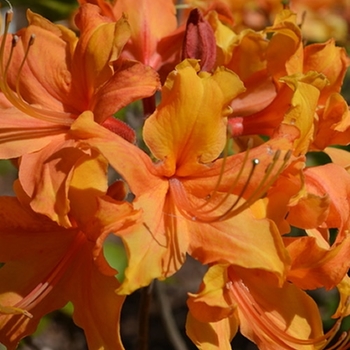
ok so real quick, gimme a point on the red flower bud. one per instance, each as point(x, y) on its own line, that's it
point(199, 41)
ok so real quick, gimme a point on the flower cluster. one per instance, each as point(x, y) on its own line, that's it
point(231, 115)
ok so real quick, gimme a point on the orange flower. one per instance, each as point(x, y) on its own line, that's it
point(153, 38)
point(271, 315)
point(319, 207)
point(48, 78)
point(298, 85)
point(188, 195)
point(50, 88)
point(45, 266)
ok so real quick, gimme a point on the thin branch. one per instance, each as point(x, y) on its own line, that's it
point(168, 319)
point(146, 298)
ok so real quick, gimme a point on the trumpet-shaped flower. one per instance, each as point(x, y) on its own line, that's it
point(192, 201)
point(272, 316)
point(44, 266)
point(48, 78)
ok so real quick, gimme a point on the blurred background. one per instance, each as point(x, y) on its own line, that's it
point(57, 330)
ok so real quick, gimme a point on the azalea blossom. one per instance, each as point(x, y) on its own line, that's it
point(284, 83)
point(219, 170)
point(44, 266)
point(188, 196)
point(48, 78)
point(272, 316)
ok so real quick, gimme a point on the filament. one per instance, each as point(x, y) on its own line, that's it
point(18, 134)
point(206, 211)
point(222, 170)
point(13, 44)
point(49, 282)
point(15, 98)
point(176, 256)
point(260, 322)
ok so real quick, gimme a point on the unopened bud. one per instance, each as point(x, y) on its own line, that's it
point(199, 41)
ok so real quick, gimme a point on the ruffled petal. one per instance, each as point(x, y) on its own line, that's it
point(131, 81)
point(92, 64)
point(237, 240)
point(188, 126)
point(314, 266)
point(45, 78)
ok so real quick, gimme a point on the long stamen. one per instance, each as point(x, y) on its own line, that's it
point(17, 134)
point(13, 45)
point(18, 78)
point(46, 286)
point(8, 19)
point(222, 171)
point(260, 322)
point(205, 213)
point(176, 256)
point(15, 97)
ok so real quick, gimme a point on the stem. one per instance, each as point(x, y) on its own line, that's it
point(146, 297)
point(168, 319)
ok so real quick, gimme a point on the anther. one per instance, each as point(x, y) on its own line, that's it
point(250, 143)
point(287, 156)
point(15, 39)
point(8, 17)
point(31, 40)
point(14, 42)
point(276, 155)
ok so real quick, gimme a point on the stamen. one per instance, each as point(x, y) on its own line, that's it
point(17, 134)
point(14, 97)
point(9, 310)
point(30, 43)
point(13, 45)
point(173, 238)
point(204, 213)
point(45, 287)
point(225, 155)
point(8, 19)
point(261, 323)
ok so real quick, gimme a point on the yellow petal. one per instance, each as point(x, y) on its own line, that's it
point(188, 126)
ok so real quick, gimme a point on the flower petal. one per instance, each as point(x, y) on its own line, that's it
point(188, 126)
point(314, 266)
point(131, 81)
